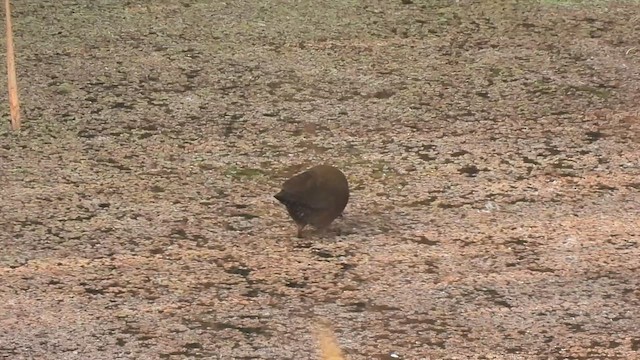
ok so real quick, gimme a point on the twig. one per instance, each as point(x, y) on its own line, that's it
point(329, 348)
point(14, 103)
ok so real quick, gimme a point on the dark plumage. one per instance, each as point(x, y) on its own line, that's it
point(315, 197)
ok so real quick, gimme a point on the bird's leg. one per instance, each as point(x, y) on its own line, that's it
point(300, 227)
point(325, 232)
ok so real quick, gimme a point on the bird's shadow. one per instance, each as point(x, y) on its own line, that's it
point(349, 224)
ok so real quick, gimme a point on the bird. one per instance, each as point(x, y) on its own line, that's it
point(315, 197)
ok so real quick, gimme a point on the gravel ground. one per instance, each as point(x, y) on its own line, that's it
point(492, 150)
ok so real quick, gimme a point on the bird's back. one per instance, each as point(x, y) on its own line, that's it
point(316, 196)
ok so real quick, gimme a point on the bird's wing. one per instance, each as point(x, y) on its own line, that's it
point(303, 189)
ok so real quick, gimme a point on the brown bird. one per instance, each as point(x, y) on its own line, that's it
point(315, 197)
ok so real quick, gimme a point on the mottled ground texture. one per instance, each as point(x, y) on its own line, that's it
point(493, 150)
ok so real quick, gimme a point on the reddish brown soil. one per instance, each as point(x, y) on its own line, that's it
point(492, 150)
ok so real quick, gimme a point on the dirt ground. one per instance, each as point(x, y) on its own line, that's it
point(492, 149)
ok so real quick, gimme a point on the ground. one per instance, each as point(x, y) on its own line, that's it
point(492, 149)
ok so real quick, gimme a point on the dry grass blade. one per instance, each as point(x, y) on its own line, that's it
point(329, 348)
point(14, 103)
